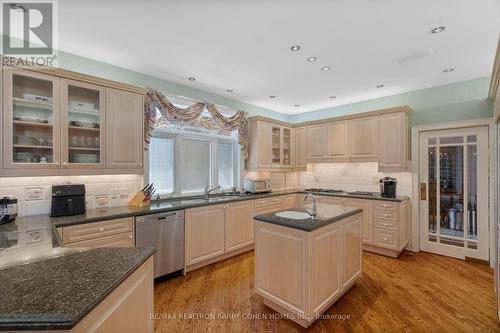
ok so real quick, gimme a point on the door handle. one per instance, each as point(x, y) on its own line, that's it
point(423, 191)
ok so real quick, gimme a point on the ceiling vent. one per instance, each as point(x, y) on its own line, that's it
point(415, 56)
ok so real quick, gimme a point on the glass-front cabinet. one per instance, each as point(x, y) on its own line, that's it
point(31, 120)
point(50, 122)
point(281, 147)
point(82, 124)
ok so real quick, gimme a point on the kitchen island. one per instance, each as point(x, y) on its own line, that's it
point(49, 288)
point(303, 265)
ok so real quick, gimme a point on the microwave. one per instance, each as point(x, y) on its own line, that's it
point(256, 185)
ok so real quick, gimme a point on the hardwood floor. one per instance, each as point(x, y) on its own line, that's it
point(418, 292)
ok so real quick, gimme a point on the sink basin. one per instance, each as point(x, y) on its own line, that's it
point(290, 214)
point(224, 198)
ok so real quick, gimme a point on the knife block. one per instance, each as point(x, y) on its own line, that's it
point(138, 200)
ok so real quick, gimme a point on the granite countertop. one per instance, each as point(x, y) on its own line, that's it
point(327, 214)
point(55, 294)
point(94, 215)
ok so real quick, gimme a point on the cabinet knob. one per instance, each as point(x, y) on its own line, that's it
point(56, 163)
point(101, 229)
point(65, 163)
point(130, 236)
point(385, 238)
point(140, 164)
point(385, 206)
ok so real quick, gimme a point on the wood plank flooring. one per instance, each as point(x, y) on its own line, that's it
point(418, 292)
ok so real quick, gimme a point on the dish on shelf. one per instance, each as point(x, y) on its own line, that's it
point(31, 118)
point(83, 124)
point(37, 98)
point(84, 158)
point(25, 140)
point(84, 106)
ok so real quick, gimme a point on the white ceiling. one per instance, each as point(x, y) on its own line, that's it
point(244, 45)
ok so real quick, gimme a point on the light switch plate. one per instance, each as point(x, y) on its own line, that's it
point(34, 193)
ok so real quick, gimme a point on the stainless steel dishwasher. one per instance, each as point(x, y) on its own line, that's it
point(164, 232)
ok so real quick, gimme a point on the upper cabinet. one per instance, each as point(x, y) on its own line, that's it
point(57, 125)
point(316, 143)
point(300, 147)
point(336, 140)
point(364, 139)
point(272, 146)
point(125, 138)
point(394, 148)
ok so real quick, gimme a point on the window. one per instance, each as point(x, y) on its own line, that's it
point(183, 163)
point(161, 164)
point(195, 168)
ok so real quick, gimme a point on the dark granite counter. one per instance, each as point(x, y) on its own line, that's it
point(57, 293)
point(327, 214)
point(94, 215)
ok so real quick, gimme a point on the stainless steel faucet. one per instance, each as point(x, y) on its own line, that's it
point(208, 190)
point(314, 212)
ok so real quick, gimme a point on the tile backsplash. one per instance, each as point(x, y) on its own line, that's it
point(34, 197)
point(352, 177)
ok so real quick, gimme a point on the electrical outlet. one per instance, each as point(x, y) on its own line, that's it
point(101, 201)
point(114, 193)
point(34, 193)
point(123, 192)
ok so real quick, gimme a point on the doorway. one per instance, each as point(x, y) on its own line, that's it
point(453, 180)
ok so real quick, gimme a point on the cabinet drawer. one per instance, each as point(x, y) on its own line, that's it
point(268, 201)
point(81, 232)
point(385, 214)
point(386, 205)
point(386, 238)
point(121, 240)
point(383, 224)
point(268, 209)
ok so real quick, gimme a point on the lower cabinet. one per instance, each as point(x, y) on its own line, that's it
point(216, 231)
point(291, 201)
point(111, 233)
point(367, 216)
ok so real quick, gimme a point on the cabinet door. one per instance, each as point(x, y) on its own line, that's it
point(263, 145)
point(204, 233)
point(290, 201)
point(31, 120)
point(336, 142)
point(316, 142)
point(393, 141)
point(300, 147)
point(82, 119)
point(239, 225)
point(366, 217)
point(351, 249)
point(364, 138)
point(286, 147)
point(276, 143)
point(124, 129)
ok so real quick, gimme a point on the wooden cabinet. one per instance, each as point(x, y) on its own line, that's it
point(364, 139)
point(316, 143)
point(393, 142)
point(57, 123)
point(124, 129)
point(336, 141)
point(366, 217)
point(290, 201)
point(111, 233)
point(301, 147)
point(205, 228)
point(268, 205)
point(351, 251)
point(239, 225)
point(259, 134)
point(281, 146)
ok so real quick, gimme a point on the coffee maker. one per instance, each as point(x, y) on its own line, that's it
point(8, 209)
point(388, 187)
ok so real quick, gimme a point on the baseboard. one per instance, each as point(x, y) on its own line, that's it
point(218, 258)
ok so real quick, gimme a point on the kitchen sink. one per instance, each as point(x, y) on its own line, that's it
point(224, 198)
point(294, 215)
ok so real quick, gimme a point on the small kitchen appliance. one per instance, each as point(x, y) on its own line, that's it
point(257, 185)
point(8, 209)
point(388, 187)
point(68, 199)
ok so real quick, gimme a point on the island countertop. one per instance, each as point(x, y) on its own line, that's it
point(327, 214)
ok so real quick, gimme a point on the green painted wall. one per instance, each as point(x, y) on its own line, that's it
point(451, 102)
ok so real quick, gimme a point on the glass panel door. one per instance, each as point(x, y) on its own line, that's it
point(276, 146)
point(286, 147)
point(450, 191)
point(83, 121)
point(32, 120)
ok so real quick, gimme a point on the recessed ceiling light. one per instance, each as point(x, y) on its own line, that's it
point(380, 86)
point(297, 105)
point(312, 59)
point(272, 96)
point(326, 68)
point(295, 48)
point(449, 70)
point(229, 90)
point(191, 78)
point(332, 97)
point(437, 30)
